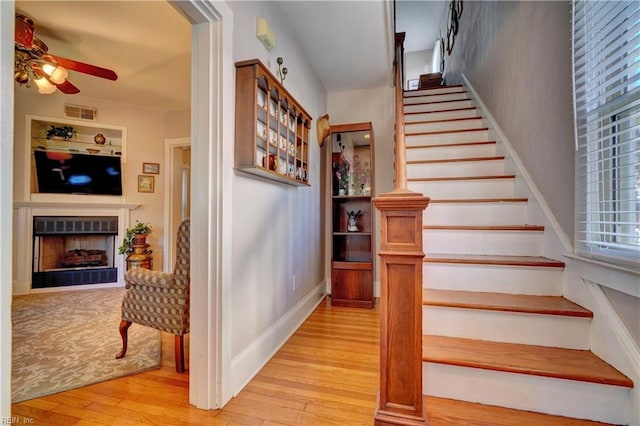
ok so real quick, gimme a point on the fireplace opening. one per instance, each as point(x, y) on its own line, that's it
point(74, 250)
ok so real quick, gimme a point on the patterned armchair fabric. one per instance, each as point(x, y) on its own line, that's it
point(160, 300)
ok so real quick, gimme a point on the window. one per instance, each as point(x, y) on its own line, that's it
point(606, 62)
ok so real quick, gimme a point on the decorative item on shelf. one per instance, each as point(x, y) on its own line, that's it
point(352, 224)
point(282, 71)
point(99, 139)
point(60, 133)
point(343, 172)
point(273, 163)
point(360, 177)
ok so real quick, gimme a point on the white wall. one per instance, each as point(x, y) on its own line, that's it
point(277, 229)
point(517, 55)
point(145, 143)
point(378, 106)
point(417, 63)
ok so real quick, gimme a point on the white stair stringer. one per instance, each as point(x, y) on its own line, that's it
point(510, 327)
point(541, 281)
point(569, 398)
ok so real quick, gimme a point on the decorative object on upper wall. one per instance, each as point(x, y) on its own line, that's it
point(99, 139)
point(145, 183)
point(151, 168)
point(323, 129)
point(48, 72)
point(453, 23)
point(265, 33)
point(282, 71)
point(60, 132)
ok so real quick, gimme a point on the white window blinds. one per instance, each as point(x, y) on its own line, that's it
point(606, 70)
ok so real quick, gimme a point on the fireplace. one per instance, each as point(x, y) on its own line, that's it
point(74, 250)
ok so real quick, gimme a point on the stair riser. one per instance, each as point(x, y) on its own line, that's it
point(437, 91)
point(511, 327)
point(461, 96)
point(493, 278)
point(442, 153)
point(498, 188)
point(475, 213)
point(437, 106)
point(445, 115)
point(443, 126)
point(506, 243)
point(445, 138)
point(525, 392)
point(454, 169)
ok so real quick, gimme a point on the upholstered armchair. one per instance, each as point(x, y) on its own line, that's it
point(160, 300)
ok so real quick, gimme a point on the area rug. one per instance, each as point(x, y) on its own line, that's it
point(69, 339)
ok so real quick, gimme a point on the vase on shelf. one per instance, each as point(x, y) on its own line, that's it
point(342, 191)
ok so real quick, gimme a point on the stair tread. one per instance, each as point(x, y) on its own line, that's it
point(416, 95)
point(526, 228)
point(537, 261)
point(455, 160)
point(454, 178)
point(477, 200)
point(435, 88)
point(547, 305)
point(438, 102)
point(570, 364)
point(443, 132)
point(447, 412)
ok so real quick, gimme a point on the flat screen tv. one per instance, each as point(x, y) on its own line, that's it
point(72, 173)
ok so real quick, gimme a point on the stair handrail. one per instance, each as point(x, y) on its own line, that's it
point(400, 400)
point(401, 161)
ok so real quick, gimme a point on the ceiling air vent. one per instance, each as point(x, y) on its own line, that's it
point(79, 111)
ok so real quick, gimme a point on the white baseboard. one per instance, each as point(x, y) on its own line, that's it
point(251, 360)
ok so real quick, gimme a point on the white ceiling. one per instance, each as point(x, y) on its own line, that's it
point(148, 43)
point(419, 20)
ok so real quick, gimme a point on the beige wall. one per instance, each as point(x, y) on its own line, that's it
point(518, 57)
point(144, 143)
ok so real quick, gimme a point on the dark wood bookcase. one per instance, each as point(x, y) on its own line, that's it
point(352, 187)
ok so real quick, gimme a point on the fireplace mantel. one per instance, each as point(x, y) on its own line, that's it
point(53, 204)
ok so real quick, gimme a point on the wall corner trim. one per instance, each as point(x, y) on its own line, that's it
point(522, 171)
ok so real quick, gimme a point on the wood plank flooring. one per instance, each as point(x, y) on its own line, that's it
point(326, 374)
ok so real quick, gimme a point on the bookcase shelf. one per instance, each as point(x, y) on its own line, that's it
point(352, 178)
point(272, 128)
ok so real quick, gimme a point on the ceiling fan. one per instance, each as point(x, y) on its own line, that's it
point(49, 72)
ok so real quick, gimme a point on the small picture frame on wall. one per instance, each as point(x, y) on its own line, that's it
point(145, 183)
point(412, 84)
point(151, 168)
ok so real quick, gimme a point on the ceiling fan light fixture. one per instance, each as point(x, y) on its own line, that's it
point(44, 86)
point(56, 73)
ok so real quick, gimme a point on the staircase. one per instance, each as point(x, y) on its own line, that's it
point(496, 329)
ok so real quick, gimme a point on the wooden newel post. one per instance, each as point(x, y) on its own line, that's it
point(401, 255)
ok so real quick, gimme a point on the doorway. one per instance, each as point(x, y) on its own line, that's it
point(177, 196)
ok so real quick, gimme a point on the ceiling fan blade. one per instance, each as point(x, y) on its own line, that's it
point(70, 64)
point(24, 32)
point(68, 88)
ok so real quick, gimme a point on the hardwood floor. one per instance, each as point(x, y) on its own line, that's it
point(326, 374)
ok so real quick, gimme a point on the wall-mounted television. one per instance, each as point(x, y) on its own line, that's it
point(72, 173)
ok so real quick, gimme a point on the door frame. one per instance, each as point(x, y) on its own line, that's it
point(170, 147)
point(212, 106)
